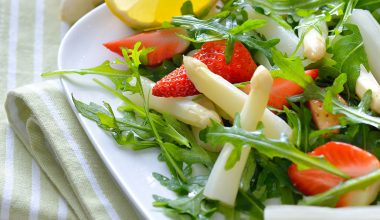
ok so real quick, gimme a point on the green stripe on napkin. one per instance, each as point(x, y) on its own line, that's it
point(48, 167)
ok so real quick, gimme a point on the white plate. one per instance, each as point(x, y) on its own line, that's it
point(81, 48)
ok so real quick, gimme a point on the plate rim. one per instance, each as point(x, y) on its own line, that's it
point(138, 207)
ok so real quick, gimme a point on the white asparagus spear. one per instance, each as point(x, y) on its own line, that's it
point(183, 109)
point(366, 82)
point(205, 102)
point(314, 42)
point(292, 212)
point(228, 97)
point(370, 31)
point(222, 184)
point(260, 58)
point(288, 39)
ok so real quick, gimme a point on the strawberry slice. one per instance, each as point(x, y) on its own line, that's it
point(240, 69)
point(322, 118)
point(352, 160)
point(166, 42)
point(283, 89)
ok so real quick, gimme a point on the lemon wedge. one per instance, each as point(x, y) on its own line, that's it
point(141, 14)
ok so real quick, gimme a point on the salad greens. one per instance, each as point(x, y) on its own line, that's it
point(218, 134)
point(137, 127)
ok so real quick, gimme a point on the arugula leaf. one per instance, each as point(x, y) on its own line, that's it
point(291, 68)
point(248, 173)
point(247, 26)
point(129, 133)
point(370, 5)
point(348, 52)
point(158, 72)
point(187, 8)
point(274, 179)
point(247, 207)
point(291, 7)
point(330, 197)
point(191, 203)
point(333, 91)
point(217, 134)
point(177, 186)
point(105, 69)
point(194, 155)
point(356, 114)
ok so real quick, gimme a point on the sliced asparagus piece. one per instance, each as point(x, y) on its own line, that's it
point(183, 109)
point(288, 39)
point(366, 82)
point(260, 58)
point(229, 98)
point(223, 184)
point(314, 42)
point(370, 31)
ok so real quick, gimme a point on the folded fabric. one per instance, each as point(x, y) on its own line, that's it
point(43, 120)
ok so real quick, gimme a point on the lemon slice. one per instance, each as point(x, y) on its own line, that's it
point(142, 14)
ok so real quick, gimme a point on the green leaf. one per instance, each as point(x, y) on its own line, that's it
point(89, 111)
point(105, 69)
point(217, 134)
point(247, 26)
point(233, 158)
point(187, 8)
point(248, 173)
point(333, 91)
point(355, 114)
point(248, 203)
point(192, 202)
point(290, 7)
point(365, 103)
point(296, 124)
point(190, 205)
point(129, 132)
point(172, 184)
point(156, 73)
point(348, 52)
point(370, 5)
point(291, 68)
point(193, 155)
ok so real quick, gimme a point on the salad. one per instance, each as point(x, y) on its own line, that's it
point(275, 102)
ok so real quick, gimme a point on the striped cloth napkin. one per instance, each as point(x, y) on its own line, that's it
point(48, 168)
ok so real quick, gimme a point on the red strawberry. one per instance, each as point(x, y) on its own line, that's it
point(166, 42)
point(176, 84)
point(283, 89)
point(352, 160)
point(240, 69)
